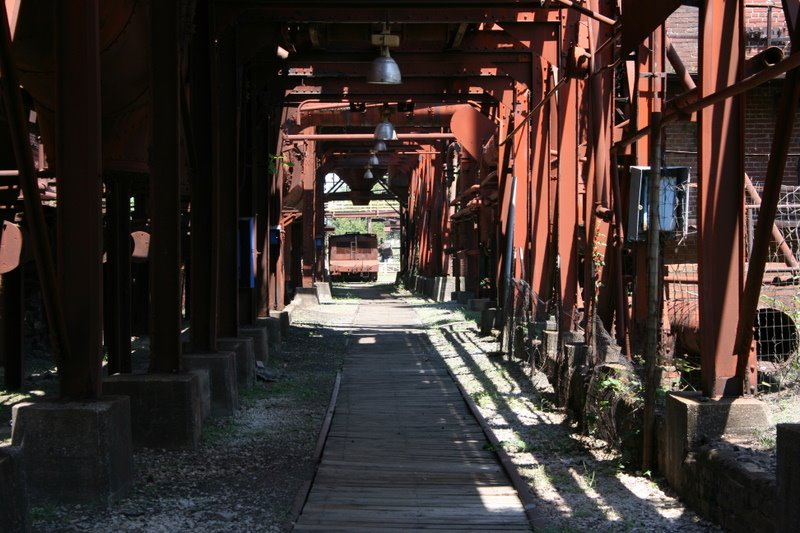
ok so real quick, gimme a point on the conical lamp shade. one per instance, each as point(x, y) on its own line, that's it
point(383, 69)
point(380, 146)
point(368, 174)
point(384, 131)
point(373, 160)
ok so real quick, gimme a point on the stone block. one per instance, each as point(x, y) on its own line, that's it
point(245, 358)
point(285, 320)
point(76, 452)
point(260, 341)
point(487, 320)
point(464, 297)
point(692, 419)
point(166, 409)
point(274, 336)
point(324, 292)
point(221, 369)
point(305, 296)
point(204, 383)
point(14, 507)
point(788, 447)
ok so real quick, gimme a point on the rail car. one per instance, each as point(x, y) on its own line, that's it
point(353, 256)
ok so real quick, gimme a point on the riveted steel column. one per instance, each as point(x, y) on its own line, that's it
point(80, 240)
point(117, 316)
point(165, 206)
point(204, 239)
point(720, 196)
point(227, 179)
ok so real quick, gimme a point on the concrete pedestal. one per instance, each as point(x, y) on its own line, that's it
point(221, 368)
point(285, 320)
point(274, 337)
point(487, 321)
point(324, 292)
point(245, 358)
point(692, 419)
point(14, 517)
point(788, 469)
point(166, 409)
point(76, 451)
point(204, 384)
point(260, 341)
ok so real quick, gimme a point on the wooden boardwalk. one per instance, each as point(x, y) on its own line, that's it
point(404, 452)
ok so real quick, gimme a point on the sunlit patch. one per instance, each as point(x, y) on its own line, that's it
point(585, 479)
point(541, 482)
point(366, 340)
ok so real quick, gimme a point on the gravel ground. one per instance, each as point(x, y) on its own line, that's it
point(250, 468)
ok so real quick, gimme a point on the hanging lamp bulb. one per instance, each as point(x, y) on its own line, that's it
point(368, 173)
point(384, 70)
point(373, 159)
point(380, 146)
point(384, 131)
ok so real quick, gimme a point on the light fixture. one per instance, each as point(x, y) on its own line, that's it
point(384, 131)
point(373, 159)
point(380, 146)
point(384, 69)
point(368, 173)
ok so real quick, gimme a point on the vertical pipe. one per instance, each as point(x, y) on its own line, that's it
point(80, 240)
point(653, 287)
point(509, 254)
point(165, 207)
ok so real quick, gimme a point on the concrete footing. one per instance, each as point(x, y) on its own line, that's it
point(692, 419)
point(245, 358)
point(788, 444)
point(260, 341)
point(305, 296)
point(274, 337)
point(324, 292)
point(221, 368)
point(76, 451)
point(204, 384)
point(14, 507)
point(285, 320)
point(166, 409)
point(487, 320)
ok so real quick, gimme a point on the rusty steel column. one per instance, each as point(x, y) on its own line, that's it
point(165, 206)
point(11, 328)
point(203, 244)
point(80, 239)
point(227, 180)
point(720, 197)
point(117, 315)
point(308, 222)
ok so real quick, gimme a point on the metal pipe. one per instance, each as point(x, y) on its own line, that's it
point(588, 12)
point(751, 82)
point(653, 285)
point(777, 236)
point(680, 69)
point(366, 137)
point(512, 206)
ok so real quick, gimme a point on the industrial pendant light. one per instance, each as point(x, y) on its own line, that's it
point(373, 159)
point(368, 173)
point(384, 131)
point(380, 146)
point(383, 69)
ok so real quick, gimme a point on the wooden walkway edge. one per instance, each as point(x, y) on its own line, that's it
point(404, 451)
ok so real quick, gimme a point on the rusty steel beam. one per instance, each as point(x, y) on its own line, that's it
point(165, 205)
point(781, 141)
point(80, 239)
point(203, 251)
point(34, 213)
point(117, 314)
point(366, 137)
point(720, 196)
point(226, 168)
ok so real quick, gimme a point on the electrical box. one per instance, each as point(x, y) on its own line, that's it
point(673, 204)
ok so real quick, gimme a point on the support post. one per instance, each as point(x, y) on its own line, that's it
point(720, 197)
point(80, 241)
point(11, 313)
point(165, 207)
point(117, 314)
